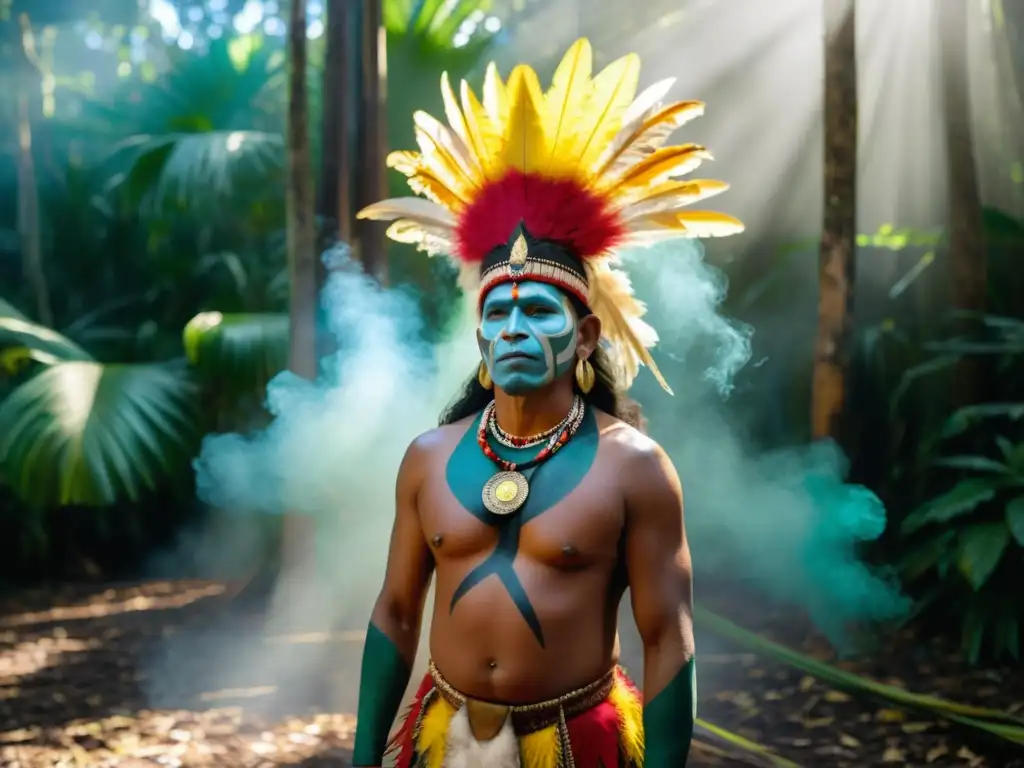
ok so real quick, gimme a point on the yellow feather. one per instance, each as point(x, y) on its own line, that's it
point(432, 240)
point(526, 147)
point(404, 162)
point(670, 197)
point(630, 710)
point(646, 103)
point(565, 102)
point(433, 733)
point(540, 749)
point(485, 140)
point(425, 183)
point(446, 148)
point(648, 136)
point(452, 112)
point(612, 300)
point(659, 166)
point(709, 224)
point(495, 96)
point(612, 92)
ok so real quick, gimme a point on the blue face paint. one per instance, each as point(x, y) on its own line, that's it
point(527, 337)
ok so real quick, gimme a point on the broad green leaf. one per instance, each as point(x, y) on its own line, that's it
point(243, 352)
point(1015, 518)
point(972, 633)
point(911, 375)
point(981, 548)
point(1006, 448)
point(1007, 635)
point(964, 497)
point(83, 433)
point(16, 330)
point(966, 417)
point(973, 463)
point(925, 556)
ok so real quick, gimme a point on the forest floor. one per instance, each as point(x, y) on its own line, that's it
point(175, 675)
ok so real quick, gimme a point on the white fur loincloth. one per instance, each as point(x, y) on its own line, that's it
point(464, 751)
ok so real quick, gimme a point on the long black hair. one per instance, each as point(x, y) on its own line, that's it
point(606, 395)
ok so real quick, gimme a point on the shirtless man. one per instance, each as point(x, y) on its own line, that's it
point(538, 501)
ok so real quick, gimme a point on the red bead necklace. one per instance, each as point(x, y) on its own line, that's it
point(563, 433)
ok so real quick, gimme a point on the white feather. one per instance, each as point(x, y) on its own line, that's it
point(464, 751)
point(415, 208)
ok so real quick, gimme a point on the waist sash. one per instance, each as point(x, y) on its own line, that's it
point(486, 718)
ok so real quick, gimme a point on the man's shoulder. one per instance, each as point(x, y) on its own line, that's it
point(440, 439)
point(627, 442)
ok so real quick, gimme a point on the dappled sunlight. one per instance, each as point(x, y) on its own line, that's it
point(109, 603)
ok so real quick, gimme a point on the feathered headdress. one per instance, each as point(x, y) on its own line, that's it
point(531, 185)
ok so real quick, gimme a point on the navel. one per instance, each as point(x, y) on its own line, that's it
point(437, 541)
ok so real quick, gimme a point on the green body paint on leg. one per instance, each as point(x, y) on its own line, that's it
point(668, 721)
point(382, 681)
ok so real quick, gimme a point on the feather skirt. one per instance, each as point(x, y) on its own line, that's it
point(434, 734)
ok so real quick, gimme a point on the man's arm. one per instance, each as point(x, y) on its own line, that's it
point(394, 630)
point(661, 591)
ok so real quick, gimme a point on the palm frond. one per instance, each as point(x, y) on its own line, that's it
point(996, 722)
point(242, 351)
point(199, 170)
point(39, 342)
point(84, 433)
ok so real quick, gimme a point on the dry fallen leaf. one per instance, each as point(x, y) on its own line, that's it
point(806, 684)
point(819, 722)
point(915, 727)
point(894, 755)
point(836, 697)
point(936, 752)
point(848, 741)
point(890, 716)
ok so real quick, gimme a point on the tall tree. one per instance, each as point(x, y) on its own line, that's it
point(298, 531)
point(27, 77)
point(837, 256)
point(968, 262)
point(354, 128)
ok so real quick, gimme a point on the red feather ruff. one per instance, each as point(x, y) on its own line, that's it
point(594, 735)
point(403, 743)
point(562, 210)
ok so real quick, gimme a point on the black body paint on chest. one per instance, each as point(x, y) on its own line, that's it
point(468, 469)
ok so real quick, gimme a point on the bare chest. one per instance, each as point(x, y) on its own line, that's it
point(572, 517)
point(579, 531)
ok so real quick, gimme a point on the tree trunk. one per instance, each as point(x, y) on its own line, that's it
point(298, 531)
point(370, 122)
point(837, 256)
point(354, 124)
point(28, 192)
point(968, 260)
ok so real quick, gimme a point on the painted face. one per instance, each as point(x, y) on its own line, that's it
point(527, 336)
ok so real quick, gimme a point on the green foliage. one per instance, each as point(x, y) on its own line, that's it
point(961, 543)
point(238, 351)
point(85, 433)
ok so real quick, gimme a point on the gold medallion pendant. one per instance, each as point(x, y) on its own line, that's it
point(505, 493)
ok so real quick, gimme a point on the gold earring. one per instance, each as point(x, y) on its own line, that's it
point(585, 375)
point(484, 376)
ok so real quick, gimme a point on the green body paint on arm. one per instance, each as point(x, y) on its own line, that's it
point(382, 681)
point(668, 721)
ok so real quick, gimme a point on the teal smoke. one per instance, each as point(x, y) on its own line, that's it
point(784, 519)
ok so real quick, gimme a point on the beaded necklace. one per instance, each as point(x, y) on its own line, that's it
point(506, 492)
